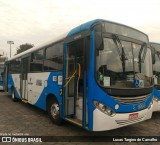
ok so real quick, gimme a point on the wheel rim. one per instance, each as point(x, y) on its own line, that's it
point(55, 110)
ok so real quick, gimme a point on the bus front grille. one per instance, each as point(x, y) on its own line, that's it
point(129, 121)
point(131, 100)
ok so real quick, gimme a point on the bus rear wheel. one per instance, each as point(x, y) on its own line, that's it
point(54, 112)
point(13, 95)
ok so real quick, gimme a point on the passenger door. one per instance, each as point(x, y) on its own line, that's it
point(24, 74)
point(6, 78)
point(75, 84)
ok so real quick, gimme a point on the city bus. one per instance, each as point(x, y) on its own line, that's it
point(1, 75)
point(155, 48)
point(97, 76)
point(2, 60)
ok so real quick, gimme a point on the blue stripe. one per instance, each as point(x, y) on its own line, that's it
point(52, 88)
point(91, 79)
point(11, 84)
point(156, 93)
point(83, 27)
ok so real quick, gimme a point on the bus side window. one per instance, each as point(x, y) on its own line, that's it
point(37, 61)
point(54, 58)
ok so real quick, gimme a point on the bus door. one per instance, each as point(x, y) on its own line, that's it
point(23, 82)
point(74, 101)
point(6, 78)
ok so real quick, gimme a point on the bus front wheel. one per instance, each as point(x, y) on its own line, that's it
point(54, 111)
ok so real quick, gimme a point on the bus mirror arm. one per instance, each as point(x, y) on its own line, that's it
point(99, 41)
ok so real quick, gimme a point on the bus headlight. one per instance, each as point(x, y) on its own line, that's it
point(155, 98)
point(116, 107)
point(105, 109)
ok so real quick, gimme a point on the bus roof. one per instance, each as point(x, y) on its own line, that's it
point(87, 26)
point(39, 46)
point(82, 27)
point(154, 43)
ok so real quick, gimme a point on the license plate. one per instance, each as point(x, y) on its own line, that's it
point(133, 115)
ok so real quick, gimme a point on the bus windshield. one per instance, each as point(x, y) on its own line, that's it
point(156, 65)
point(124, 63)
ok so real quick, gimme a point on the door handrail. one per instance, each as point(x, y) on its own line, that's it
point(70, 78)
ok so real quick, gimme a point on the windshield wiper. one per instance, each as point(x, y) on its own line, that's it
point(142, 58)
point(120, 50)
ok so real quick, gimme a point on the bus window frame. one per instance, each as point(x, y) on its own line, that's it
point(123, 91)
point(30, 58)
point(60, 43)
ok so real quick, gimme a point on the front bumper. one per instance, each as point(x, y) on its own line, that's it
point(102, 122)
point(156, 106)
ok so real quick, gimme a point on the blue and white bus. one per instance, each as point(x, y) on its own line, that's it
point(98, 76)
point(155, 48)
point(1, 75)
point(2, 60)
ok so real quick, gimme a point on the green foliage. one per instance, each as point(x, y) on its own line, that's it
point(24, 47)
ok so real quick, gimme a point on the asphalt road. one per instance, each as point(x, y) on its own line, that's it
point(18, 118)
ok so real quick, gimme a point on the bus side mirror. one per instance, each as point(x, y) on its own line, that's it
point(153, 55)
point(99, 41)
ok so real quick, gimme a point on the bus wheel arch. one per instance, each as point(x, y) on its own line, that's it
point(53, 109)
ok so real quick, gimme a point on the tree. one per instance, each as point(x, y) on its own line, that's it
point(24, 47)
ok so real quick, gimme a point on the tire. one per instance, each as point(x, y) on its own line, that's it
point(54, 111)
point(13, 95)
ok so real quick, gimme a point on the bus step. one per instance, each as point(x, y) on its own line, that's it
point(5, 93)
point(25, 101)
point(75, 121)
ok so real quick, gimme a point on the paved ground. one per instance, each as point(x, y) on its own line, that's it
point(20, 118)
